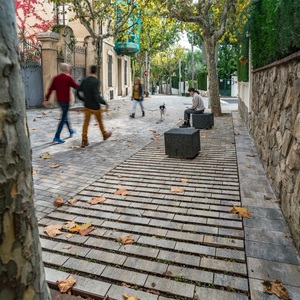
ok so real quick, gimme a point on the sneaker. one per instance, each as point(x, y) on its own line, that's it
point(106, 135)
point(72, 132)
point(84, 143)
point(57, 140)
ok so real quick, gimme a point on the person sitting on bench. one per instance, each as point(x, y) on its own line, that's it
point(197, 107)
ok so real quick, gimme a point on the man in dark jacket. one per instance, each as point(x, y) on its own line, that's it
point(92, 100)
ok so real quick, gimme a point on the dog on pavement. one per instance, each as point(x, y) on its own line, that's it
point(162, 109)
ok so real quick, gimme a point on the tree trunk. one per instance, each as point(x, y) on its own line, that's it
point(22, 271)
point(214, 96)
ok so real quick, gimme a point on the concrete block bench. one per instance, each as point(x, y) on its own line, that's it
point(182, 142)
point(201, 121)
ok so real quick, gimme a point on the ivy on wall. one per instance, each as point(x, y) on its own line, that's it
point(274, 27)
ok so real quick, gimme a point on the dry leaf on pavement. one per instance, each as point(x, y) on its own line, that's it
point(65, 285)
point(78, 228)
point(72, 201)
point(34, 172)
point(127, 297)
point(46, 155)
point(96, 200)
point(185, 180)
point(54, 166)
point(241, 212)
point(251, 155)
point(58, 201)
point(126, 240)
point(248, 166)
point(69, 235)
point(69, 224)
point(53, 230)
point(86, 231)
point(276, 288)
point(121, 191)
point(177, 189)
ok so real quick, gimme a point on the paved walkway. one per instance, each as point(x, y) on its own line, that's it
point(187, 245)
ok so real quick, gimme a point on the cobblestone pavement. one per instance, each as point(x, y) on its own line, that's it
point(187, 245)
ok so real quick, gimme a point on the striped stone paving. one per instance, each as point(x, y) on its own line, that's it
point(187, 243)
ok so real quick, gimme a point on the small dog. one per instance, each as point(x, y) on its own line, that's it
point(162, 111)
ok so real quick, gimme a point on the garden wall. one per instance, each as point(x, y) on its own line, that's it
point(274, 123)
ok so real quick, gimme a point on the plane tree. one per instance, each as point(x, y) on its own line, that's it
point(22, 270)
point(213, 19)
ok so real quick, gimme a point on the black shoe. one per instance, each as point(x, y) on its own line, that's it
point(143, 114)
point(132, 116)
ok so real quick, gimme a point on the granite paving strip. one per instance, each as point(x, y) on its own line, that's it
point(182, 240)
point(270, 252)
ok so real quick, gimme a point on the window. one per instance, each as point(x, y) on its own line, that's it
point(125, 72)
point(109, 70)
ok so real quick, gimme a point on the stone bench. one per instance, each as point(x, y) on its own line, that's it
point(201, 121)
point(182, 142)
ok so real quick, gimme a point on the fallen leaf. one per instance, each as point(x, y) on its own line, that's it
point(185, 180)
point(72, 201)
point(78, 228)
point(54, 166)
point(44, 114)
point(86, 231)
point(241, 211)
point(57, 118)
point(251, 155)
point(69, 224)
point(46, 155)
point(34, 172)
point(276, 288)
point(96, 200)
point(58, 201)
point(127, 297)
point(154, 131)
point(267, 197)
point(74, 147)
point(126, 285)
point(125, 240)
point(53, 230)
point(121, 191)
point(203, 136)
point(65, 285)
point(237, 133)
point(177, 189)
point(249, 166)
point(34, 120)
point(154, 138)
point(33, 129)
point(69, 235)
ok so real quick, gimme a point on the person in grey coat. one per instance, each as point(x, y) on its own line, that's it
point(197, 107)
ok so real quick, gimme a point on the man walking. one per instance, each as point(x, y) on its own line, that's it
point(62, 84)
point(92, 100)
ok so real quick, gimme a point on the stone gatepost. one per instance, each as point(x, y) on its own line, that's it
point(90, 53)
point(49, 59)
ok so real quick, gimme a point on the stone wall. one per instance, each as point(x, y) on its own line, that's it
point(274, 123)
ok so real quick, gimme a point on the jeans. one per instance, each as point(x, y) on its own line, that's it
point(188, 112)
point(87, 116)
point(135, 102)
point(64, 118)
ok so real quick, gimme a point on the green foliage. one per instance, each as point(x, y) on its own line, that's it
point(274, 28)
point(202, 81)
point(227, 63)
